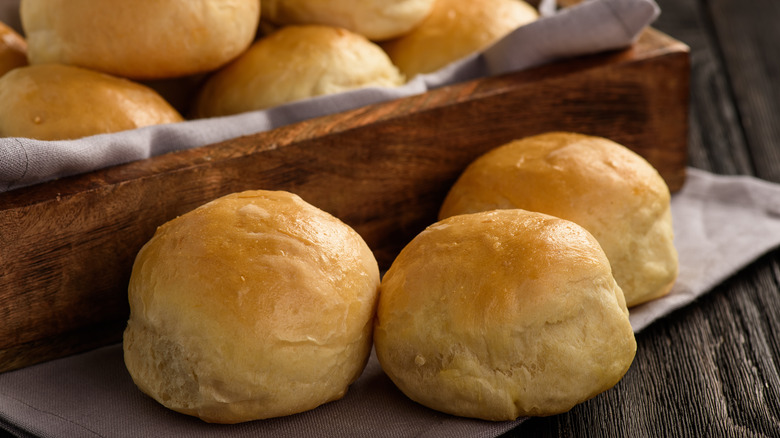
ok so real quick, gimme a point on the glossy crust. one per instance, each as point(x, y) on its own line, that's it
point(375, 19)
point(13, 49)
point(502, 314)
point(139, 39)
point(606, 188)
point(58, 102)
point(295, 63)
point(252, 306)
point(455, 29)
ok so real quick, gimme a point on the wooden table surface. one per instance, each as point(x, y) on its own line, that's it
point(711, 369)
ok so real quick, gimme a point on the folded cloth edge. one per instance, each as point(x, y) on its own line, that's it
point(722, 223)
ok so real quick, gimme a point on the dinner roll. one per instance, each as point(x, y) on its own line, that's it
point(139, 39)
point(501, 314)
point(601, 185)
point(374, 19)
point(13, 49)
point(295, 63)
point(59, 102)
point(455, 29)
point(252, 306)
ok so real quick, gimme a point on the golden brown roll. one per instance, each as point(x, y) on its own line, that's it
point(139, 39)
point(254, 305)
point(455, 29)
point(601, 185)
point(501, 314)
point(295, 63)
point(59, 102)
point(375, 19)
point(13, 49)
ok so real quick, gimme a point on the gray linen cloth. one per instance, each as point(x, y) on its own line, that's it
point(591, 27)
point(721, 223)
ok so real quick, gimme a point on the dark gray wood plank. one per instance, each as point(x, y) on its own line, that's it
point(748, 33)
point(716, 140)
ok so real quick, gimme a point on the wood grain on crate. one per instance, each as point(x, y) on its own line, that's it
point(67, 247)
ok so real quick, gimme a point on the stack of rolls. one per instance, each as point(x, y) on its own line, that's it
point(74, 44)
point(339, 45)
point(209, 58)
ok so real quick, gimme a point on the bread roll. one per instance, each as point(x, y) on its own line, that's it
point(252, 306)
point(139, 39)
point(454, 30)
point(295, 63)
point(13, 49)
point(375, 19)
point(601, 185)
point(58, 102)
point(501, 314)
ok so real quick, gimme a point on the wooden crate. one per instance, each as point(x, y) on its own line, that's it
point(67, 246)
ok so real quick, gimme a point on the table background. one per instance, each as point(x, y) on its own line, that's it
point(712, 368)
